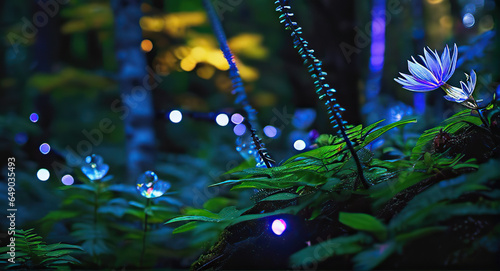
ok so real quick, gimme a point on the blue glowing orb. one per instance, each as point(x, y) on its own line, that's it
point(34, 117)
point(44, 148)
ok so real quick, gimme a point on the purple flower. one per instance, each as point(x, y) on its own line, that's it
point(462, 95)
point(434, 74)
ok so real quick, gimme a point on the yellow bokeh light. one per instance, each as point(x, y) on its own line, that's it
point(249, 45)
point(205, 72)
point(446, 21)
point(198, 53)
point(434, 2)
point(146, 45)
point(151, 24)
point(175, 24)
point(188, 64)
point(217, 59)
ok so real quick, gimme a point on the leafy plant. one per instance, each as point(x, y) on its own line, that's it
point(32, 253)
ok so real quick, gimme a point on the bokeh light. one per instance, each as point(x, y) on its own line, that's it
point(175, 116)
point(240, 129)
point(222, 119)
point(278, 226)
point(270, 131)
point(299, 145)
point(44, 148)
point(34, 117)
point(67, 179)
point(146, 45)
point(468, 20)
point(43, 174)
point(237, 118)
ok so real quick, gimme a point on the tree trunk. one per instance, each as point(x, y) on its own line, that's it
point(137, 107)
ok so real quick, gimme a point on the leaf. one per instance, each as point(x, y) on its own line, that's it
point(364, 222)
point(186, 227)
point(369, 259)
point(216, 204)
point(325, 249)
point(377, 133)
point(418, 233)
point(281, 196)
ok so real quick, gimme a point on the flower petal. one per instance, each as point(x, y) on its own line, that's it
point(472, 82)
point(452, 65)
point(445, 60)
point(421, 72)
point(417, 81)
point(433, 64)
point(453, 99)
point(413, 85)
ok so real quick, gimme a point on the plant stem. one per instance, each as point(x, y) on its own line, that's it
point(145, 232)
point(96, 207)
point(480, 113)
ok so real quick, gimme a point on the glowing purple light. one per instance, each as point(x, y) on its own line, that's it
point(240, 129)
point(278, 226)
point(45, 148)
point(377, 48)
point(67, 179)
point(237, 118)
point(34, 117)
point(270, 131)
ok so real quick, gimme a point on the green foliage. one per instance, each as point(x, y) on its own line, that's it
point(364, 222)
point(314, 168)
point(102, 216)
point(32, 253)
point(308, 179)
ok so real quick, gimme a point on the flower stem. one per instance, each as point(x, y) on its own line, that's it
point(96, 208)
point(144, 232)
point(485, 121)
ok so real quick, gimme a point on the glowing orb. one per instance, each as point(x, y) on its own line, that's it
point(175, 116)
point(299, 145)
point(67, 179)
point(237, 118)
point(222, 119)
point(34, 117)
point(44, 148)
point(270, 131)
point(278, 226)
point(43, 174)
point(240, 129)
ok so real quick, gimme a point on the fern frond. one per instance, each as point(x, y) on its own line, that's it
point(261, 149)
point(324, 91)
point(234, 74)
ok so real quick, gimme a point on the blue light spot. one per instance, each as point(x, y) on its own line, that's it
point(237, 118)
point(240, 129)
point(45, 148)
point(270, 131)
point(468, 20)
point(34, 117)
point(67, 179)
